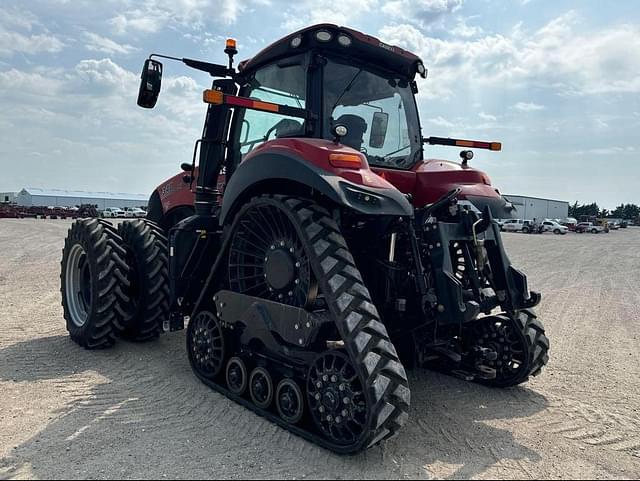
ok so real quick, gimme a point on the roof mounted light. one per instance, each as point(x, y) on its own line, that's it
point(324, 36)
point(296, 41)
point(344, 40)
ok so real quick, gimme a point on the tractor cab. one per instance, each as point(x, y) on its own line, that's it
point(331, 90)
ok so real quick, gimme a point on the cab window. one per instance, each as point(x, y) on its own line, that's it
point(280, 84)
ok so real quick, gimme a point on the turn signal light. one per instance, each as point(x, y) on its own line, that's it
point(346, 161)
point(215, 97)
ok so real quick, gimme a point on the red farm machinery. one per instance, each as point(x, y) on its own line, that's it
point(311, 250)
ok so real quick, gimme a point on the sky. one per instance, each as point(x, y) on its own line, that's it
point(557, 82)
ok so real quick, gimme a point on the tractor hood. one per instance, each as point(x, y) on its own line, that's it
point(434, 178)
point(429, 180)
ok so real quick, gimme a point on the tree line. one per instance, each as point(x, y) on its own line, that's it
point(623, 211)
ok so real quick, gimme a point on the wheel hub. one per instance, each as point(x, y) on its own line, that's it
point(279, 269)
point(260, 387)
point(267, 257)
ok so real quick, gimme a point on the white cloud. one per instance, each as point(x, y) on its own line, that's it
point(15, 42)
point(488, 117)
point(463, 29)
point(528, 107)
point(104, 76)
point(151, 16)
point(560, 55)
point(97, 43)
point(309, 12)
point(441, 122)
point(424, 11)
point(615, 150)
point(15, 18)
point(18, 82)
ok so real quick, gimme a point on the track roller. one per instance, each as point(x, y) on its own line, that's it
point(261, 387)
point(236, 376)
point(289, 401)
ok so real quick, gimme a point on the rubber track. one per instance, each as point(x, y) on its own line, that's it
point(366, 340)
point(147, 242)
point(102, 244)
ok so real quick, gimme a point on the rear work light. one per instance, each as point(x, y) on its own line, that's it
point(344, 40)
point(346, 161)
point(324, 36)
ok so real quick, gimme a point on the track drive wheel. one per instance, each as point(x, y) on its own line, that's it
point(206, 345)
point(520, 343)
point(284, 239)
point(336, 398)
point(147, 257)
point(93, 279)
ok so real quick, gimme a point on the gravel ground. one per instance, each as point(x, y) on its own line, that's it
point(136, 411)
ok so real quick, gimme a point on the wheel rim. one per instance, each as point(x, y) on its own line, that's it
point(267, 258)
point(506, 340)
point(79, 288)
point(336, 399)
point(289, 401)
point(206, 344)
point(236, 376)
point(261, 387)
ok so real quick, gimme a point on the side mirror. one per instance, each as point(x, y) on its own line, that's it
point(150, 83)
point(378, 130)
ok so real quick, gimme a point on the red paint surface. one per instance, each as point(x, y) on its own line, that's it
point(316, 152)
point(431, 179)
point(427, 181)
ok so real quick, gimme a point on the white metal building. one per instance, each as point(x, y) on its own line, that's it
point(30, 197)
point(537, 208)
point(7, 197)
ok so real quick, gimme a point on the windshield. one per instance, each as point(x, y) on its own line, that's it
point(379, 113)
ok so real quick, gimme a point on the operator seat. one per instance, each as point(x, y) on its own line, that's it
point(289, 128)
point(356, 128)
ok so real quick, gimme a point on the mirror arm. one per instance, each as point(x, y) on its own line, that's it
point(212, 69)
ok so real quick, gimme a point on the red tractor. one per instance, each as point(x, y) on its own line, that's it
point(313, 253)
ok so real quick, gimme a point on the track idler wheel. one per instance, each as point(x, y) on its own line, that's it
point(520, 344)
point(236, 376)
point(336, 398)
point(289, 401)
point(261, 387)
point(206, 345)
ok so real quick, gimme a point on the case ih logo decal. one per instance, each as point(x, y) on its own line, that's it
point(167, 189)
point(387, 47)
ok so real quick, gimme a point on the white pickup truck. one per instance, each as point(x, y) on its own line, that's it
point(589, 227)
point(553, 226)
point(114, 212)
